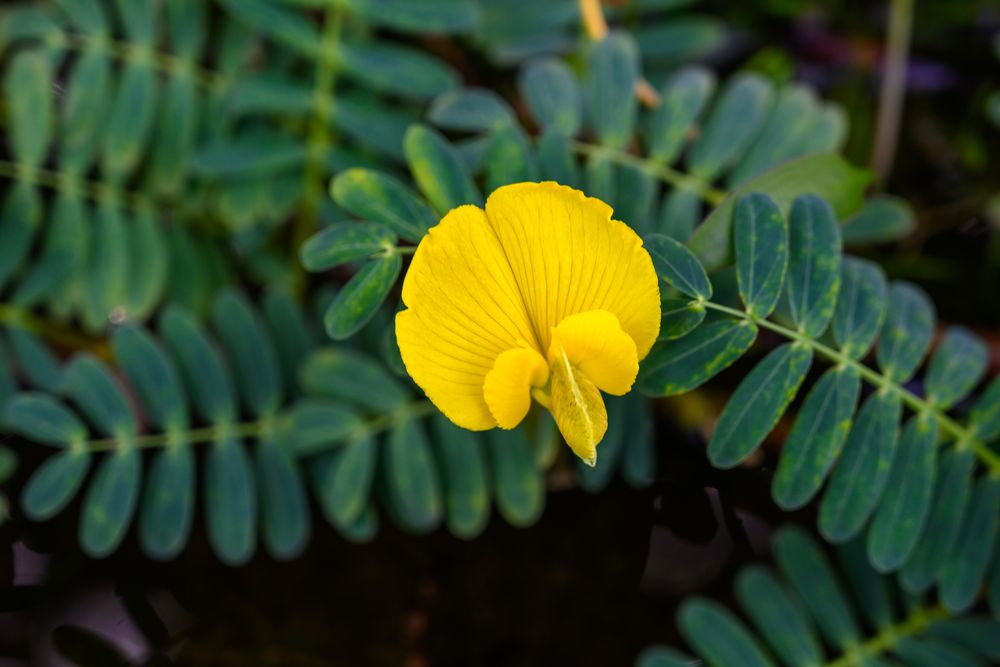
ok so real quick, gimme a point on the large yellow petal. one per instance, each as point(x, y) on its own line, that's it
point(508, 386)
point(596, 345)
point(578, 409)
point(568, 256)
point(463, 311)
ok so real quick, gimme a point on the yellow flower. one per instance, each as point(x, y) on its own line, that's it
point(541, 295)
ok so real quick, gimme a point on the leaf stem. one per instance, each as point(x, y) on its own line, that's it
point(319, 137)
point(255, 429)
point(915, 623)
point(965, 437)
point(167, 63)
point(678, 179)
point(66, 182)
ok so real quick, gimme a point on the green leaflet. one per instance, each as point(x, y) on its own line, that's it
point(427, 16)
point(250, 351)
point(860, 307)
point(825, 175)
point(110, 502)
point(465, 477)
point(38, 363)
point(737, 114)
point(353, 377)
point(470, 110)
point(676, 367)
point(817, 437)
point(950, 499)
point(342, 480)
point(345, 242)
point(802, 562)
point(813, 264)
point(396, 69)
point(205, 377)
point(19, 222)
point(609, 100)
point(903, 511)
point(130, 120)
point(41, 418)
point(437, 171)
point(556, 161)
point(976, 633)
point(27, 88)
point(91, 386)
point(54, 484)
point(881, 219)
point(284, 506)
point(778, 617)
point(758, 403)
point(412, 487)
point(679, 213)
point(147, 265)
point(985, 415)
point(682, 99)
point(374, 196)
point(678, 266)
point(931, 653)
point(862, 470)
point(168, 502)
point(718, 636)
point(907, 332)
point(230, 501)
point(508, 158)
point(551, 92)
point(872, 591)
point(317, 425)
point(966, 566)
point(956, 367)
point(784, 134)
point(153, 374)
point(679, 317)
point(760, 235)
point(357, 302)
point(518, 484)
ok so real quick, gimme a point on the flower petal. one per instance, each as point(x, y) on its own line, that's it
point(508, 386)
point(464, 310)
point(578, 408)
point(568, 256)
point(596, 345)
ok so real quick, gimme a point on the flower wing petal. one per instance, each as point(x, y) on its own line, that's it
point(463, 311)
point(595, 343)
point(568, 256)
point(508, 386)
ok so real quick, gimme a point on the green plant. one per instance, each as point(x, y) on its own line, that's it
point(183, 181)
point(803, 616)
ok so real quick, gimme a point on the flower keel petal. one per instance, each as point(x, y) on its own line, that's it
point(578, 409)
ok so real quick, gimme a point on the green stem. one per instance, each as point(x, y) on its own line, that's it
point(255, 429)
point(66, 182)
point(965, 437)
point(914, 624)
point(319, 137)
point(678, 179)
point(167, 63)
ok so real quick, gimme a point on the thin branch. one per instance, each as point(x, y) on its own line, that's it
point(964, 437)
point(914, 624)
point(890, 99)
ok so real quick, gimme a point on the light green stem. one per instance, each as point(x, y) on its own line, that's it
point(914, 624)
point(965, 437)
point(678, 179)
point(258, 428)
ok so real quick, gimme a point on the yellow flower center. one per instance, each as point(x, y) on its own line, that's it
point(541, 295)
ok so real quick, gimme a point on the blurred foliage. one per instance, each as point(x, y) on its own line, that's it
point(206, 209)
